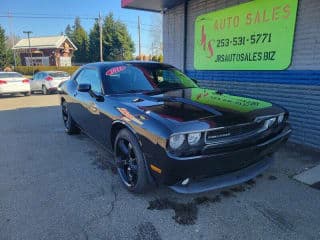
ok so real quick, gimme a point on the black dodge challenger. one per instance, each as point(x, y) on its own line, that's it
point(164, 129)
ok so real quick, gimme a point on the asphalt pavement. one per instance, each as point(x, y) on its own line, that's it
point(56, 186)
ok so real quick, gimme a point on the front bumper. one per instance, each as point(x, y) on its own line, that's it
point(229, 179)
point(227, 165)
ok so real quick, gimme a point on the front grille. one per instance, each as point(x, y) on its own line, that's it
point(227, 134)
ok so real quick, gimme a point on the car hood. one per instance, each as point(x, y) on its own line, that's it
point(199, 108)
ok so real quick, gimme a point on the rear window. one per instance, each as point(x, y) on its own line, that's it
point(10, 75)
point(59, 74)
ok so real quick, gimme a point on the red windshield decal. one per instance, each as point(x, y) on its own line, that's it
point(115, 70)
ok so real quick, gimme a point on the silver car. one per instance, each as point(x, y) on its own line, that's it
point(48, 82)
point(13, 82)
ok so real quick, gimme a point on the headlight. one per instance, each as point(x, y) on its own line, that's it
point(269, 122)
point(280, 118)
point(176, 141)
point(193, 138)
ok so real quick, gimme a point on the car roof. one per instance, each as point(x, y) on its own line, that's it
point(117, 63)
point(53, 71)
point(10, 72)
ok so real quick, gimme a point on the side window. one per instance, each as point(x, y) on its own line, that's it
point(41, 76)
point(80, 79)
point(95, 81)
point(90, 76)
point(36, 76)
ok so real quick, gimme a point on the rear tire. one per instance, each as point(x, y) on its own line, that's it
point(69, 124)
point(27, 93)
point(130, 162)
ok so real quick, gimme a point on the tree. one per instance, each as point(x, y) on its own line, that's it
point(6, 53)
point(94, 43)
point(80, 38)
point(68, 31)
point(117, 43)
point(11, 41)
point(3, 48)
point(160, 58)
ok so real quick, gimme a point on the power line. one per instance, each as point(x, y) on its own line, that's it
point(63, 17)
point(71, 18)
point(44, 17)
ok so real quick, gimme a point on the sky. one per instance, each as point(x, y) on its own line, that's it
point(55, 15)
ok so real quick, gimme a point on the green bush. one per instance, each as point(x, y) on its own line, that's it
point(27, 70)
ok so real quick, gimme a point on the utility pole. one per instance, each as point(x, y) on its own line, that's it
point(100, 30)
point(139, 34)
point(30, 51)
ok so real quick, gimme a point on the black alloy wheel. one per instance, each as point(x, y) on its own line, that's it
point(130, 162)
point(69, 124)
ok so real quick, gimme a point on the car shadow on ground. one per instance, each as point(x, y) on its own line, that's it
point(11, 95)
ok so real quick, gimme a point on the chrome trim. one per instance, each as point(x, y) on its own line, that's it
point(284, 134)
point(211, 129)
point(224, 140)
point(263, 118)
point(246, 135)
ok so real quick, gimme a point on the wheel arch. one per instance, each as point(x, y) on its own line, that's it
point(117, 126)
point(62, 100)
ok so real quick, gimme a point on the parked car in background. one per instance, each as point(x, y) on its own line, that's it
point(48, 82)
point(163, 128)
point(13, 82)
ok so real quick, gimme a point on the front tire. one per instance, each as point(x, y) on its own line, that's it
point(44, 90)
point(130, 162)
point(69, 124)
point(27, 93)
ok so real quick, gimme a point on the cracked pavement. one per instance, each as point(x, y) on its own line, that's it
point(55, 186)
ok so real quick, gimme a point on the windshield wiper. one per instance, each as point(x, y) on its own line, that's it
point(136, 91)
point(154, 91)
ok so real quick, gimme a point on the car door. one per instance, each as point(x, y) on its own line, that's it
point(42, 80)
point(38, 82)
point(91, 104)
point(77, 107)
point(83, 109)
point(33, 82)
point(95, 104)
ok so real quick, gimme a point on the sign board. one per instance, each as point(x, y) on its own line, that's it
point(257, 35)
point(235, 103)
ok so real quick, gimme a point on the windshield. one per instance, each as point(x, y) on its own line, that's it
point(10, 75)
point(144, 78)
point(59, 74)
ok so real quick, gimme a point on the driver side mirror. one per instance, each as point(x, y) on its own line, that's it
point(84, 87)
